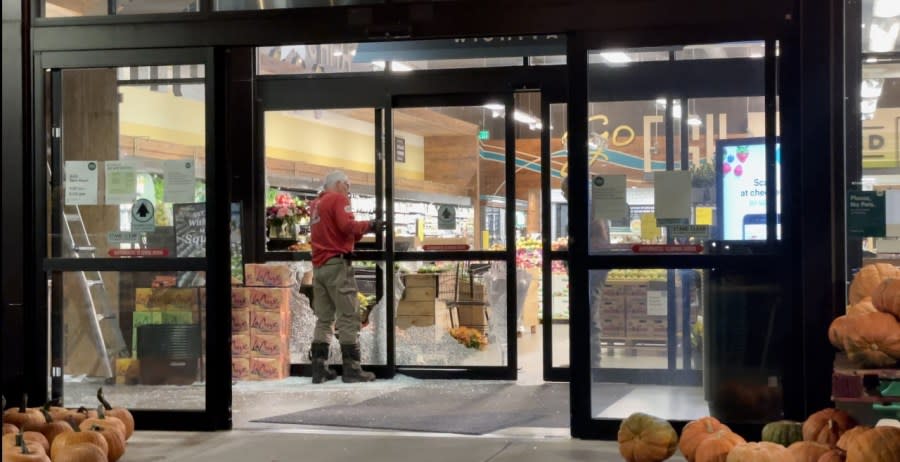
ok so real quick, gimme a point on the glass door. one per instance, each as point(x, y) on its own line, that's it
point(130, 263)
point(451, 214)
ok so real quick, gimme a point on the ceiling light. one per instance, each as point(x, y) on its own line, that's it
point(882, 39)
point(756, 55)
point(338, 53)
point(871, 60)
point(871, 88)
point(495, 106)
point(615, 57)
point(353, 52)
point(694, 121)
point(886, 8)
point(379, 65)
point(676, 111)
point(868, 106)
point(397, 66)
point(661, 102)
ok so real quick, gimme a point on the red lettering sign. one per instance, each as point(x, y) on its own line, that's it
point(138, 252)
point(663, 248)
point(446, 247)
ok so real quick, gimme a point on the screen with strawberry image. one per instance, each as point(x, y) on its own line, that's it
point(742, 189)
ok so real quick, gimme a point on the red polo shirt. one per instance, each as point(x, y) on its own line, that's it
point(333, 228)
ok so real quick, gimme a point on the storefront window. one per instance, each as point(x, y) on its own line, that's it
point(149, 336)
point(754, 49)
point(227, 5)
point(133, 160)
point(69, 8)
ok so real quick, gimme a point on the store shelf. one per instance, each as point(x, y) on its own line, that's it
point(843, 365)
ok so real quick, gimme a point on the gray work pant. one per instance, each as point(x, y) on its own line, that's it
point(335, 303)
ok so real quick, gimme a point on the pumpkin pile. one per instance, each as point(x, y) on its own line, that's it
point(57, 434)
point(870, 331)
point(830, 435)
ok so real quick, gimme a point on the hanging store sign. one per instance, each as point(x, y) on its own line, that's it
point(446, 217)
point(664, 248)
point(686, 231)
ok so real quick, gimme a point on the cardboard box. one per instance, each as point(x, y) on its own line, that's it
point(240, 367)
point(240, 321)
point(472, 315)
point(611, 308)
point(166, 299)
point(404, 322)
point(647, 328)
point(419, 294)
point(270, 322)
point(269, 368)
point(270, 298)
point(264, 344)
point(420, 280)
point(408, 308)
point(180, 317)
point(267, 275)
point(240, 345)
point(240, 298)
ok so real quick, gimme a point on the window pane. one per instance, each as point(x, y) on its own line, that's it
point(304, 146)
point(880, 26)
point(462, 153)
point(451, 313)
point(70, 8)
point(560, 309)
point(226, 5)
point(754, 49)
point(133, 163)
point(151, 327)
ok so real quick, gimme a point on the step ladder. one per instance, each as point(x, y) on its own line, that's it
point(103, 321)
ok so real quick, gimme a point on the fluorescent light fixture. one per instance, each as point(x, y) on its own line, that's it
point(397, 66)
point(871, 88)
point(886, 9)
point(871, 60)
point(868, 106)
point(353, 52)
point(495, 106)
point(694, 121)
point(379, 65)
point(756, 55)
point(882, 38)
point(661, 102)
point(338, 53)
point(615, 57)
point(676, 111)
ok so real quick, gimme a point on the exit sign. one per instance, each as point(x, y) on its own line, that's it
point(484, 135)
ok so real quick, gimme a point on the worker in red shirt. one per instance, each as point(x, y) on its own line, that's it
point(333, 235)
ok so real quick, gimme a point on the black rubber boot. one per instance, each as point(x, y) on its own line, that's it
point(353, 373)
point(318, 355)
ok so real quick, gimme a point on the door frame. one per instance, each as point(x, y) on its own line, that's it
point(217, 412)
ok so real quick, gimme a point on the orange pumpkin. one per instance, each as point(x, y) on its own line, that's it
point(861, 307)
point(77, 416)
point(759, 452)
point(872, 339)
point(10, 428)
point(880, 444)
point(868, 278)
point(827, 426)
point(118, 412)
point(23, 451)
point(808, 451)
point(833, 455)
point(50, 428)
point(716, 447)
point(22, 416)
point(78, 437)
point(887, 296)
point(695, 432)
point(851, 435)
point(82, 452)
point(644, 438)
point(9, 441)
point(115, 441)
point(836, 331)
point(103, 420)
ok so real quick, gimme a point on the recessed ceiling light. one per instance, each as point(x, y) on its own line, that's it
point(615, 57)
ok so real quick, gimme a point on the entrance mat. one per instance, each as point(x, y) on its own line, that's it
point(468, 409)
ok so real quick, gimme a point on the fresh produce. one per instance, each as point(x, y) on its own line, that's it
point(23, 416)
point(77, 416)
point(869, 277)
point(871, 339)
point(644, 438)
point(10, 428)
point(104, 421)
point(717, 447)
point(833, 455)
point(115, 440)
point(23, 451)
point(78, 437)
point(880, 444)
point(808, 451)
point(35, 438)
point(82, 452)
point(695, 433)
point(861, 307)
point(850, 435)
point(50, 428)
point(827, 426)
point(118, 412)
point(784, 432)
point(759, 452)
point(886, 297)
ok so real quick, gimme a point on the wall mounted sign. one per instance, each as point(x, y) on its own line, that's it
point(400, 150)
point(121, 181)
point(608, 198)
point(143, 216)
point(81, 182)
point(179, 181)
point(866, 215)
point(446, 217)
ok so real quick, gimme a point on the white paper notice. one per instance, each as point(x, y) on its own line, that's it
point(608, 196)
point(81, 182)
point(657, 303)
point(121, 181)
point(179, 181)
point(672, 195)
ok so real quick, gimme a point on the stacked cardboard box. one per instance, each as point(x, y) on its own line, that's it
point(610, 316)
point(165, 305)
point(419, 306)
point(641, 323)
point(260, 324)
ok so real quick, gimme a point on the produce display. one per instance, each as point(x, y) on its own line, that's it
point(870, 331)
point(637, 275)
point(66, 435)
point(784, 432)
point(645, 438)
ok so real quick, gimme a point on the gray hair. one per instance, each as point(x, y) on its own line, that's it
point(333, 178)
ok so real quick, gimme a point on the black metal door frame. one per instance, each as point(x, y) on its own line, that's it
point(47, 140)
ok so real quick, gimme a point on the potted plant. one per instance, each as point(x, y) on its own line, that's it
point(703, 179)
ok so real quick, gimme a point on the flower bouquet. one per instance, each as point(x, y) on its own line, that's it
point(283, 217)
point(470, 338)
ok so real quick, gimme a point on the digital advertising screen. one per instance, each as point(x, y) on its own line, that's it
point(742, 189)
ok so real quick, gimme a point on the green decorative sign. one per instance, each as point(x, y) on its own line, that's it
point(866, 214)
point(484, 135)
